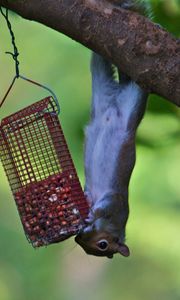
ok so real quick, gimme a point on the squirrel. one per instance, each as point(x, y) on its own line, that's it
point(117, 110)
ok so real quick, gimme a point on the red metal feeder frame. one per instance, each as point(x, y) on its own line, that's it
point(41, 173)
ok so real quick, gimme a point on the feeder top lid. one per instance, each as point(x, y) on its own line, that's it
point(47, 104)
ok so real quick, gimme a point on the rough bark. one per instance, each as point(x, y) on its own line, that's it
point(141, 49)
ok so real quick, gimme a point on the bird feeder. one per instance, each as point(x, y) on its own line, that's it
point(41, 174)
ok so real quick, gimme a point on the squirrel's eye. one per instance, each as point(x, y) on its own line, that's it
point(103, 245)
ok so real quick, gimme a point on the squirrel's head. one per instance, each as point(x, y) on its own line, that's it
point(101, 243)
point(104, 233)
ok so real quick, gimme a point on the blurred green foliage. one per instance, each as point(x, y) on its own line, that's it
point(63, 271)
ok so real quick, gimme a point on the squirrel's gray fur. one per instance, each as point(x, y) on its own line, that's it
point(117, 109)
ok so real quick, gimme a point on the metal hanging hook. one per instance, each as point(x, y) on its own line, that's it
point(15, 57)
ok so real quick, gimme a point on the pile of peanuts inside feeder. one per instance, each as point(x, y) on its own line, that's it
point(47, 211)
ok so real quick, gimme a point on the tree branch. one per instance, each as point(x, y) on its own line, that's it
point(141, 49)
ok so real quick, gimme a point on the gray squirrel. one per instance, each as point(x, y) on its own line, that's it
point(117, 110)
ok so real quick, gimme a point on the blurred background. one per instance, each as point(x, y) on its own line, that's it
point(63, 271)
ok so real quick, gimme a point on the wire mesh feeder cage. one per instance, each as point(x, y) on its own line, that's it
point(41, 173)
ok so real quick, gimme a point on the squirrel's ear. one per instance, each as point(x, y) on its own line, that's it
point(123, 250)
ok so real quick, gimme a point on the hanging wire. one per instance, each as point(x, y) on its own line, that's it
point(16, 53)
point(44, 87)
point(15, 57)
